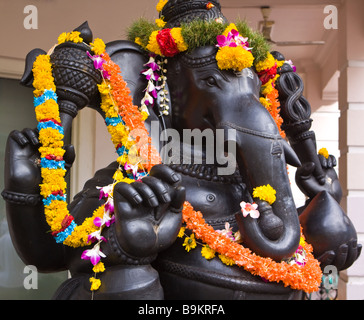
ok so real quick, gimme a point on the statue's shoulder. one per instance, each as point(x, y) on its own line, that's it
point(102, 177)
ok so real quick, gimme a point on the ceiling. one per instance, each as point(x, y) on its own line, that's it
point(295, 20)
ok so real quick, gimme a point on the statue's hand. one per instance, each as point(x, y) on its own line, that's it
point(148, 213)
point(343, 257)
point(22, 168)
point(310, 186)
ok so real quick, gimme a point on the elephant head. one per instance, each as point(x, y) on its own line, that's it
point(203, 96)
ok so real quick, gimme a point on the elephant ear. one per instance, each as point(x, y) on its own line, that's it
point(131, 59)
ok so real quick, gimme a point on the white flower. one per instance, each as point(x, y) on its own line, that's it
point(249, 209)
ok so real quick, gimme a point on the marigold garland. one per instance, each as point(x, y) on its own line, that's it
point(125, 124)
point(306, 278)
point(267, 72)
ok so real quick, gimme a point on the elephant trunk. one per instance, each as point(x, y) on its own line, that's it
point(261, 158)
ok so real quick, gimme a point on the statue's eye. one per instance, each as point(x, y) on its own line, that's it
point(211, 81)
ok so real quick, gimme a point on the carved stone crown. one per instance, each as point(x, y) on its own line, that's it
point(176, 12)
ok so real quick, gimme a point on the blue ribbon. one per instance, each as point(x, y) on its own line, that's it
point(61, 236)
point(47, 201)
point(47, 95)
point(52, 164)
point(113, 121)
point(49, 124)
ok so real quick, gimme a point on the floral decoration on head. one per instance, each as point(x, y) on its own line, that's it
point(234, 52)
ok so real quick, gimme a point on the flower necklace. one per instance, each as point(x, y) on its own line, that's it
point(125, 124)
point(123, 120)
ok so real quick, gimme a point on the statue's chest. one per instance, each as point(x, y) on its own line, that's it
point(215, 196)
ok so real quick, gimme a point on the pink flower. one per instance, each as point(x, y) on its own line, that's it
point(96, 237)
point(133, 168)
point(94, 255)
point(105, 191)
point(249, 209)
point(227, 232)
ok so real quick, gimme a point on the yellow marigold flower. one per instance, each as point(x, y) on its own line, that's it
point(176, 33)
point(145, 115)
point(95, 284)
point(265, 193)
point(100, 267)
point(118, 176)
point(230, 27)
point(50, 137)
point(226, 260)
point(302, 242)
point(235, 58)
point(160, 23)
point(280, 63)
point(190, 243)
point(62, 37)
point(138, 41)
point(265, 103)
point(98, 46)
point(46, 189)
point(104, 88)
point(324, 152)
point(122, 159)
point(181, 232)
point(47, 110)
point(153, 44)
point(207, 252)
point(58, 152)
point(53, 176)
point(268, 63)
point(74, 36)
point(161, 4)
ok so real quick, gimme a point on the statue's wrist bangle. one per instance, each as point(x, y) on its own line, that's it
point(21, 198)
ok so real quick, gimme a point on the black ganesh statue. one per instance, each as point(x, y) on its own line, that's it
point(198, 205)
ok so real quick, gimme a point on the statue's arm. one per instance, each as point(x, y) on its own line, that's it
point(24, 207)
point(324, 223)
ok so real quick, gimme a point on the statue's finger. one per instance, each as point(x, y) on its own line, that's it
point(159, 188)
point(341, 256)
point(323, 161)
point(352, 254)
point(69, 155)
point(166, 174)
point(129, 192)
point(305, 172)
point(32, 136)
point(19, 138)
point(147, 193)
point(178, 199)
point(327, 258)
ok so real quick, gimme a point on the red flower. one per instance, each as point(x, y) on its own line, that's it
point(267, 75)
point(166, 43)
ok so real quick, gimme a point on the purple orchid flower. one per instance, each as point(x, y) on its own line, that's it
point(106, 220)
point(96, 237)
point(94, 255)
point(99, 64)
